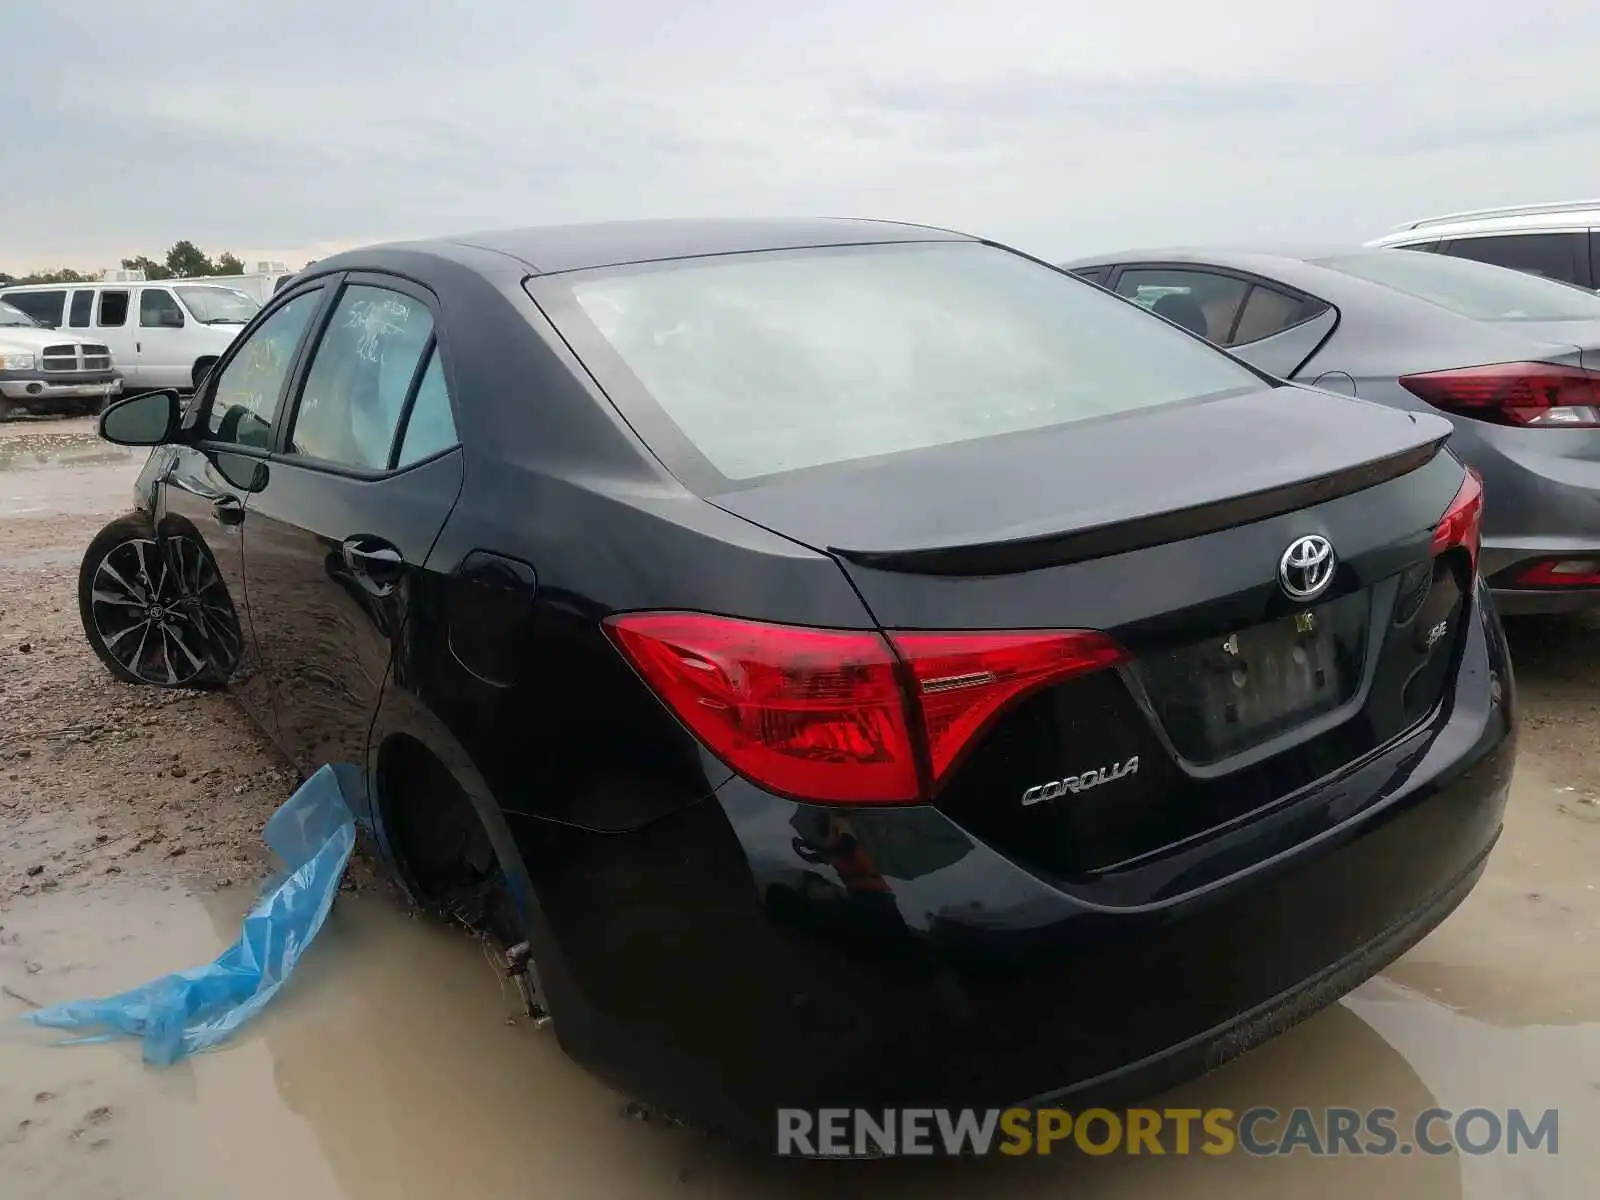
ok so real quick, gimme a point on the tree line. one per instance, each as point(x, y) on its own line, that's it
point(184, 261)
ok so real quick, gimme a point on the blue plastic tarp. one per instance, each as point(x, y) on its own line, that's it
point(185, 1013)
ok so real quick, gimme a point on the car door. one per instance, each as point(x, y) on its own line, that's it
point(202, 492)
point(364, 475)
point(114, 328)
point(161, 340)
point(1271, 326)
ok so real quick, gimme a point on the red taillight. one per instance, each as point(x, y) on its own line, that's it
point(963, 679)
point(1561, 572)
point(1528, 394)
point(820, 714)
point(1462, 523)
point(809, 713)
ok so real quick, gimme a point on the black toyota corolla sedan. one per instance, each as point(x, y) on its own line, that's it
point(863, 665)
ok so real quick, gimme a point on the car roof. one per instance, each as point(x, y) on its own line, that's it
point(1560, 217)
point(1259, 259)
point(70, 284)
point(1302, 270)
point(555, 248)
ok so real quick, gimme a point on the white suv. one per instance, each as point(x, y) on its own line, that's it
point(1560, 241)
point(42, 370)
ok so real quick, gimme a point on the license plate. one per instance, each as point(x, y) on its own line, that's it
point(1230, 692)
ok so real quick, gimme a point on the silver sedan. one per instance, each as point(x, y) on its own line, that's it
point(1511, 359)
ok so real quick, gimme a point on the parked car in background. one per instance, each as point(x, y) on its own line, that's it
point(865, 666)
point(1512, 360)
point(43, 371)
point(1559, 241)
point(260, 284)
point(161, 335)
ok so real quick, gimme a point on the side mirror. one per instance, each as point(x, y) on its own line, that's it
point(149, 419)
point(171, 320)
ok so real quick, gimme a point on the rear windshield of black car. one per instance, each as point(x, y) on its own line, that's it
point(1470, 289)
point(773, 362)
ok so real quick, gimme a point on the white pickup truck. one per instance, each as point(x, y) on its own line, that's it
point(45, 370)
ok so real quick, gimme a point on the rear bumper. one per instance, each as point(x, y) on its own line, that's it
point(1542, 500)
point(721, 964)
point(1502, 559)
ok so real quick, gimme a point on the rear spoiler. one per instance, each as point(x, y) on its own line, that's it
point(1102, 541)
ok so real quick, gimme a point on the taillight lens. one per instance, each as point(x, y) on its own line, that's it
point(820, 714)
point(1527, 394)
point(1462, 523)
point(1561, 572)
point(963, 680)
point(808, 713)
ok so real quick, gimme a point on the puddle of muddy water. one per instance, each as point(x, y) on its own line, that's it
point(72, 474)
point(389, 1069)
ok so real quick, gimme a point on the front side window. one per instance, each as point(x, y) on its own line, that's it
point(82, 308)
point(360, 377)
point(1470, 289)
point(1200, 301)
point(158, 310)
point(786, 360)
point(1561, 256)
point(248, 389)
point(43, 307)
point(113, 309)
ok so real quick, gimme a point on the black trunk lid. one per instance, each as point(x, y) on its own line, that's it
point(1165, 529)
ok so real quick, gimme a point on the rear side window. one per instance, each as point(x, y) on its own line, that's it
point(1560, 256)
point(43, 307)
point(113, 309)
point(82, 306)
point(1470, 289)
point(431, 427)
point(770, 362)
point(1200, 301)
point(1268, 311)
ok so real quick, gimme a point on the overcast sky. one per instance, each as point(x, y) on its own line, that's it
point(290, 128)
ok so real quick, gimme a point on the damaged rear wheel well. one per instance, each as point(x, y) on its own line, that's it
point(441, 848)
point(446, 857)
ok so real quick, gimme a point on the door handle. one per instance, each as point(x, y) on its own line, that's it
point(375, 563)
point(229, 510)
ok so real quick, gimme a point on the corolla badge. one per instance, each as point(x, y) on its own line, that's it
point(1039, 793)
point(1306, 568)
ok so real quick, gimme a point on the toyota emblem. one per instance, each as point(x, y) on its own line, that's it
point(1306, 568)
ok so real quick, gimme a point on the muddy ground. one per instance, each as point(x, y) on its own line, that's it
point(396, 1066)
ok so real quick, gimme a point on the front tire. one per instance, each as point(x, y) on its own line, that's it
point(202, 368)
point(156, 612)
point(7, 407)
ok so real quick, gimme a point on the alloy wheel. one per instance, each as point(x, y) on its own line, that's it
point(164, 614)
